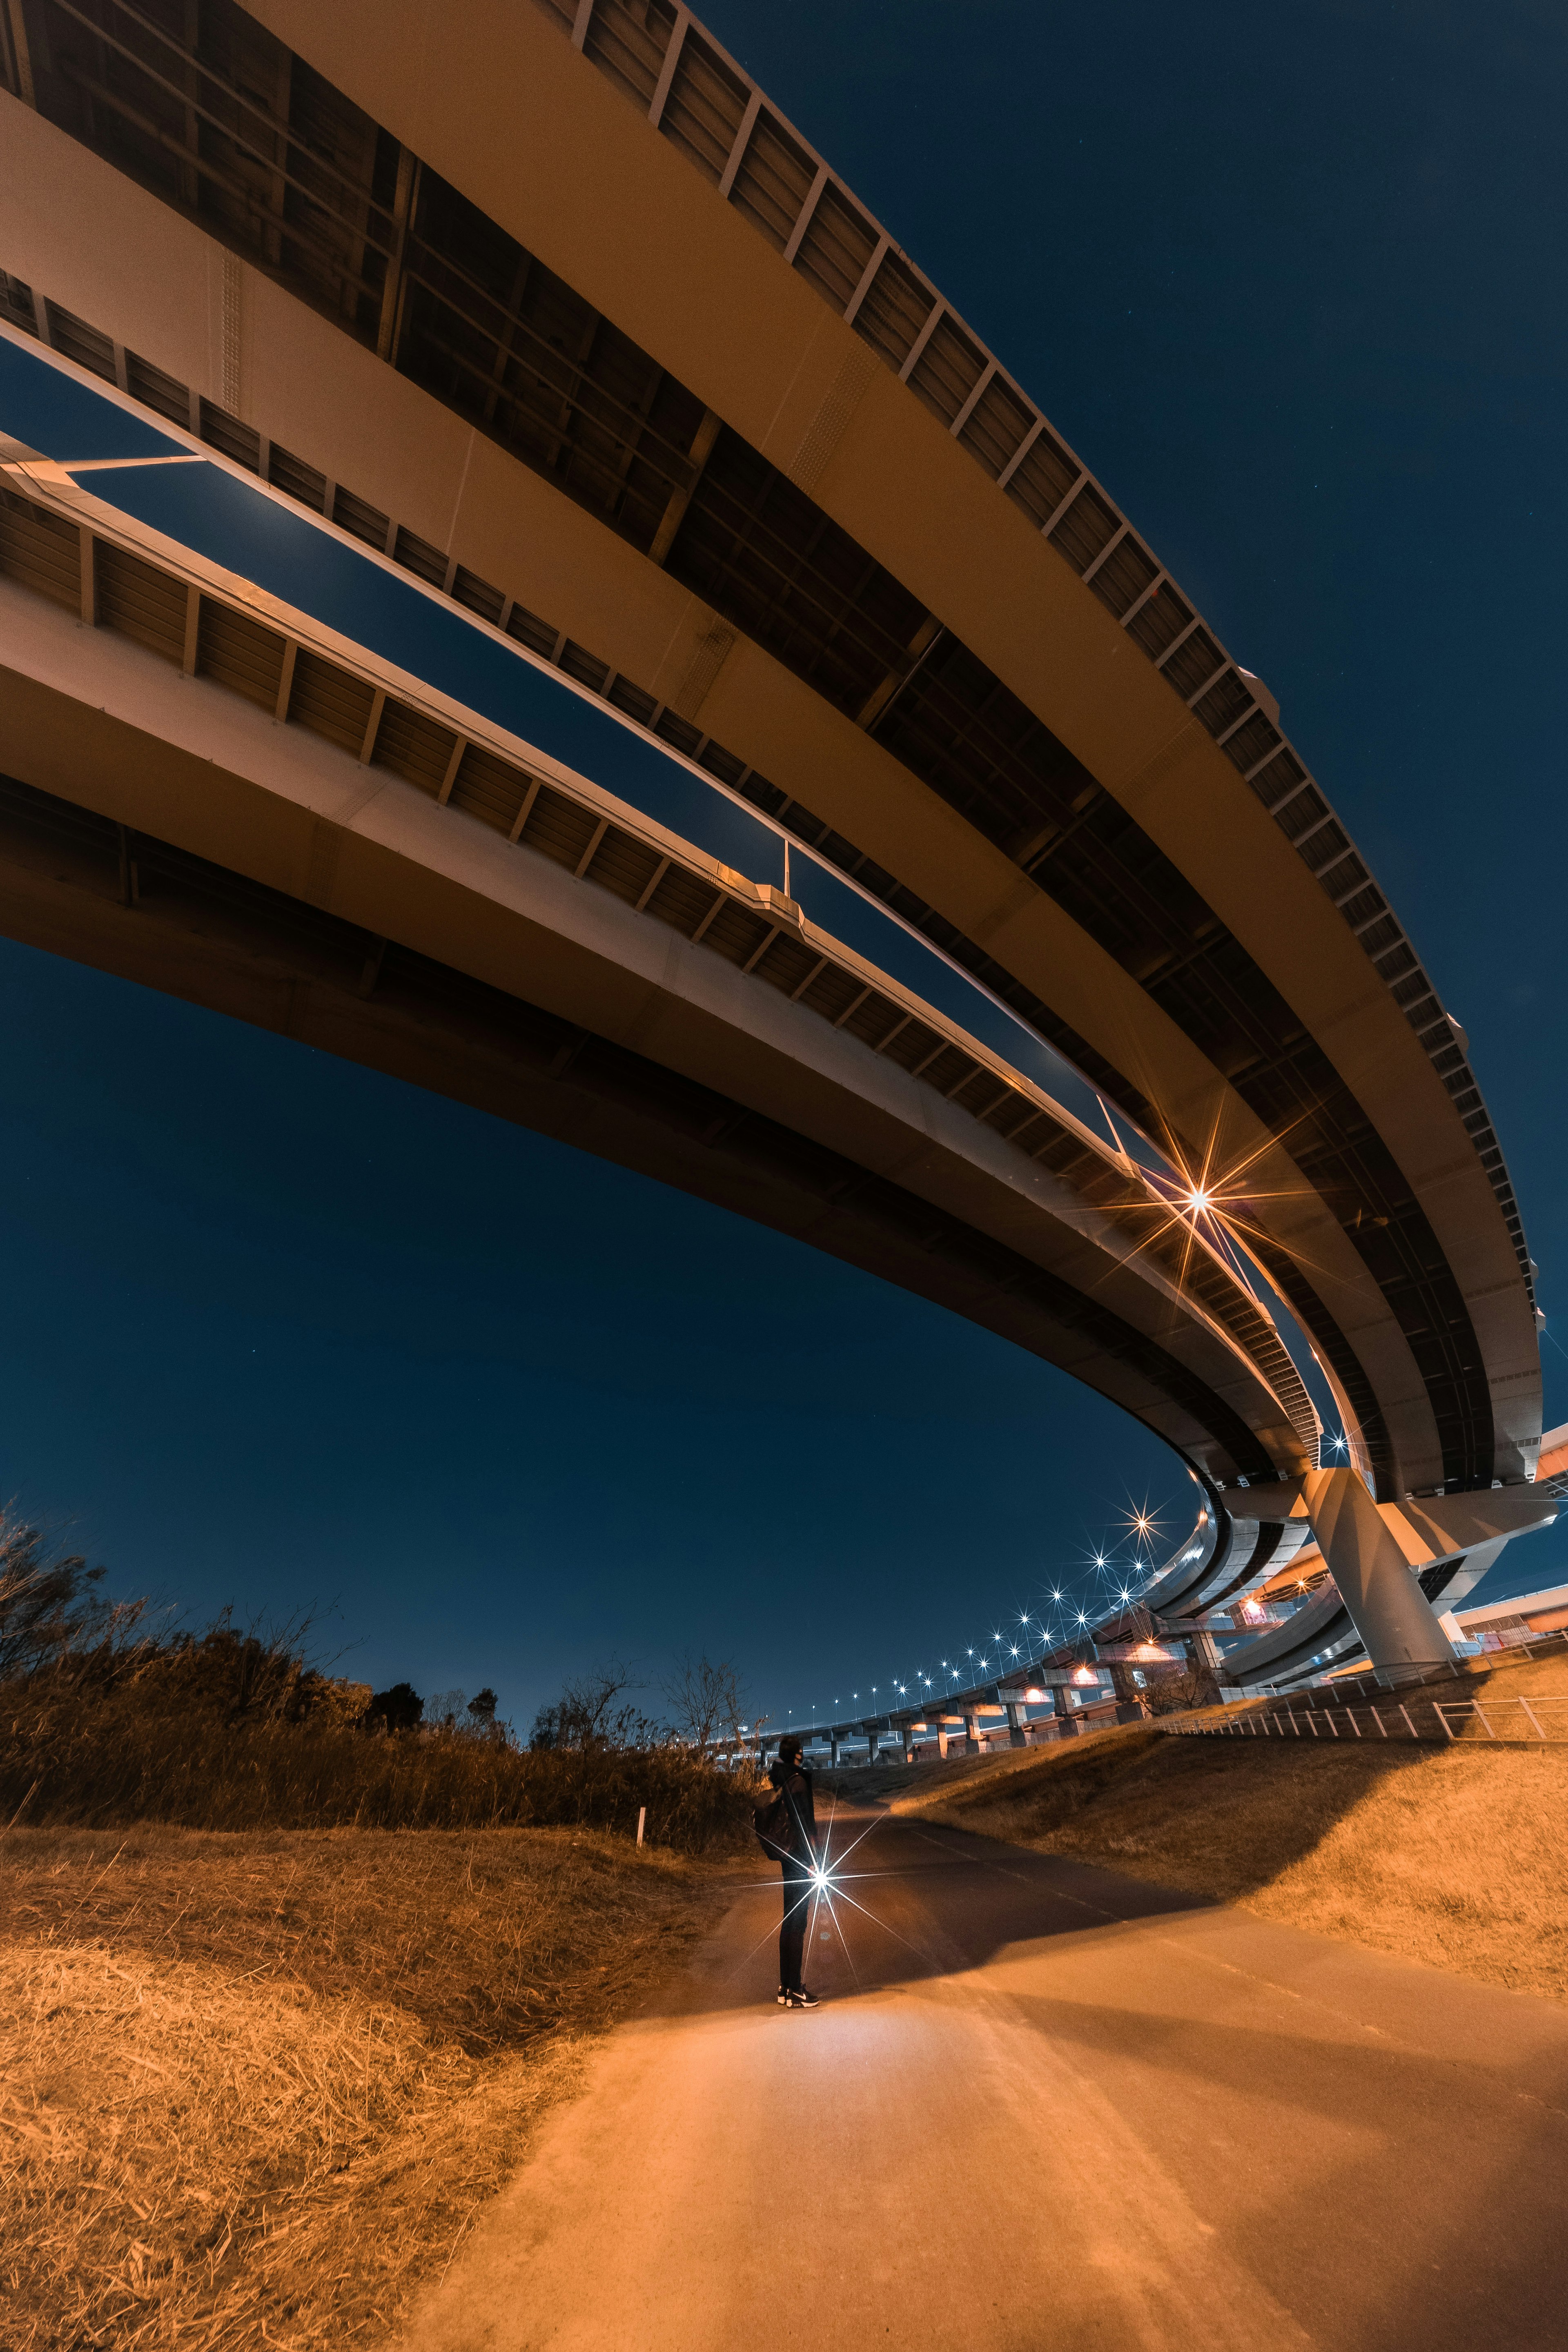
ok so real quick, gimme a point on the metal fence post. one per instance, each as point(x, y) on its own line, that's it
point(1405, 1711)
point(1534, 1725)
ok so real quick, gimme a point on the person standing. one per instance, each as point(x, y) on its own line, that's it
point(795, 1842)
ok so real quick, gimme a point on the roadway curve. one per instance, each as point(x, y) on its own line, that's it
point(1040, 2104)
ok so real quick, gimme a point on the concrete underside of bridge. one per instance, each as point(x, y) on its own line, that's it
point(1376, 1213)
point(280, 881)
point(589, 388)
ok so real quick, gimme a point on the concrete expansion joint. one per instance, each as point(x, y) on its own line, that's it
point(828, 428)
point(714, 649)
point(343, 815)
point(1163, 763)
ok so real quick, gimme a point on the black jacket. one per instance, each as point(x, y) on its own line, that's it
point(793, 1782)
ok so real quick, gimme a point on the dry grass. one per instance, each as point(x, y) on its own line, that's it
point(252, 2087)
point(1453, 1856)
point(170, 1734)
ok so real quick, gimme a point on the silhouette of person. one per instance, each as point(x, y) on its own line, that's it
point(798, 1860)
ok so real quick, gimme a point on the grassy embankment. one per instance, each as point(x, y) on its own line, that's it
point(1452, 1857)
point(254, 2084)
point(260, 2062)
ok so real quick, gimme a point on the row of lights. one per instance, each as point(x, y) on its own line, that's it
point(1199, 1199)
point(1142, 1525)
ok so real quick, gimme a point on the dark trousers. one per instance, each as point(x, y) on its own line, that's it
point(797, 1910)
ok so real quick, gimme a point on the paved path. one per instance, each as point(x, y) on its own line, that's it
point(1041, 2105)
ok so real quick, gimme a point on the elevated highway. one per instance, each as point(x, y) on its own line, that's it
point(394, 876)
point(688, 441)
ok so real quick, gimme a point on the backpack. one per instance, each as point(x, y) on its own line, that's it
point(777, 1827)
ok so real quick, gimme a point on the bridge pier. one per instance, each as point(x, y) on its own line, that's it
point(833, 1750)
point(1203, 1657)
point(1017, 1735)
point(973, 1745)
point(1383, 1598)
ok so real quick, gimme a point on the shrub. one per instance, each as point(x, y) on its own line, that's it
point(229, 1731)
point(49, 1605)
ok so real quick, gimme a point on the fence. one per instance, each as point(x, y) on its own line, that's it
point(1530, 1721)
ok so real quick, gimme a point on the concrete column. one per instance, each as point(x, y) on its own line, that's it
point(1385, 1602)
point(1016, 1735)
point(908, 1739)
point(972, 1740)
point(1131, 1702)
point(1203, 1656)
point(871, 1745)
point(833, 1750)
point(1065, 1713)
point(942, 1742)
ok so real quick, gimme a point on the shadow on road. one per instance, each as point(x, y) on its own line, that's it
point(1283, 2076)
point(907, 1902)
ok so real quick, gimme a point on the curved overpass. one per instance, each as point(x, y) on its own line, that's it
point(691, 427)
point(546, 948)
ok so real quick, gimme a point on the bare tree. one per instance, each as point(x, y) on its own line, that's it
point(593, 1712)
point(1172, 1694)
point(705, 1700)
point(49, 1603)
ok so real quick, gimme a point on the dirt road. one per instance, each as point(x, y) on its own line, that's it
point(1040, 2105)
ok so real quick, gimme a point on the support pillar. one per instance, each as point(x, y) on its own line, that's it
point(1203, 1658)
point(1017, 1736)
point(1066, 1716)
point(942, 1742)
point(1396, 1622)
point(833, 1750)
point(973, 1743)
point(870, 1744)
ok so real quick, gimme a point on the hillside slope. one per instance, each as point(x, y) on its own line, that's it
point(1454, 1856)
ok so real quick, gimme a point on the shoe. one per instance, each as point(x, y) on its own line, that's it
point(799, 1999)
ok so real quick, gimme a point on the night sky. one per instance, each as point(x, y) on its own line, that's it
point(284, 1334)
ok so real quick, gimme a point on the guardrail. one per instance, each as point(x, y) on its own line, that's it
point(1539, 1721)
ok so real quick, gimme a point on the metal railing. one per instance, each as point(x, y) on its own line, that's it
point(1538, 1721)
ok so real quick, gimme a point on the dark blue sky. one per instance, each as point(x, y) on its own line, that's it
point(280, 1331)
